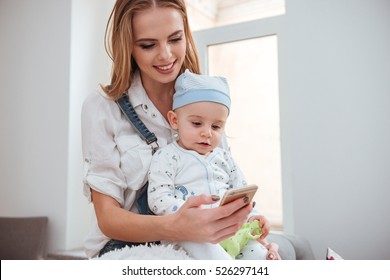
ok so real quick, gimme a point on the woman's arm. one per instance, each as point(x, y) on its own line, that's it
point(189, 223)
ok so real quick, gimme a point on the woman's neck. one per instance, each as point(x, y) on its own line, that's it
point(161, 95)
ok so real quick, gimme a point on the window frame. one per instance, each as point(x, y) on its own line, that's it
point(249, 30)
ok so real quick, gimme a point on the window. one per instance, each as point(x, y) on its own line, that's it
point(247, 55)
point(205, 14)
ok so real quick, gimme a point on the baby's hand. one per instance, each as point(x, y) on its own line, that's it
point(264, 224)
point(273, 251)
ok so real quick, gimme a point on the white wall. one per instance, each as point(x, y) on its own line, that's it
point(89, 66)
point(335, 106)
point(34, 79)
point(52, 56)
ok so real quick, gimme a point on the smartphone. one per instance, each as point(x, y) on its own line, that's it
point(235, 193)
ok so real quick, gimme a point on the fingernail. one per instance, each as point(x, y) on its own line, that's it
point(254, 204)
point(215, 197)
point(246, 199)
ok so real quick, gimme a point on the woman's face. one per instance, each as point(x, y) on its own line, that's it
point(159, 44)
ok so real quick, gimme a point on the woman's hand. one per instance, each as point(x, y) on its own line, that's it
point(263, 223)
point(191, 222)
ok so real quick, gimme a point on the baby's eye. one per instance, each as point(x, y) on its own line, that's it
point(196, 123)
point(215, 127)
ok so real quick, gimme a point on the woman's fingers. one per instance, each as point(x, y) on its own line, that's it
point(231, 208)
point(211, 225)
point(229, 225)
point(199, 200)
point(195, 223)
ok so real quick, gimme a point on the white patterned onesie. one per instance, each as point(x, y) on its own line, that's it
point(176, 174)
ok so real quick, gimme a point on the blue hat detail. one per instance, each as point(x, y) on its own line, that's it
point(191, 88)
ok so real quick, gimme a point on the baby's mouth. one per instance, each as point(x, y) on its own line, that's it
point(204, 144)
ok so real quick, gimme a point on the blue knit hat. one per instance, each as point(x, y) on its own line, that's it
point(192, 88)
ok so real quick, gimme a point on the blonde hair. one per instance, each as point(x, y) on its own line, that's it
point(119, 42)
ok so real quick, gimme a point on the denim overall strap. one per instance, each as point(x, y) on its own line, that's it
point(128, 110)
point(149, 137)
point(142, 196)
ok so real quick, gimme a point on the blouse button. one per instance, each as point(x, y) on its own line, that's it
point(86, 160)
point(145, 107)
point(154, 115)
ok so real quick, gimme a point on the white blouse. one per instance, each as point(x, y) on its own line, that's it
point(116, 159)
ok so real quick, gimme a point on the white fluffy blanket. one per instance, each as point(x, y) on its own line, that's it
point(144, 252)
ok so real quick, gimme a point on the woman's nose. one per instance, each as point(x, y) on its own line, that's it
point(165, 52)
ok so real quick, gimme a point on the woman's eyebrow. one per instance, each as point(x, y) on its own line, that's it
point(178, 32)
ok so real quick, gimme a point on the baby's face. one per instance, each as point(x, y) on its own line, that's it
point(200, 126)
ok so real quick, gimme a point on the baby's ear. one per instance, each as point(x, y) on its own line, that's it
point(172, 119)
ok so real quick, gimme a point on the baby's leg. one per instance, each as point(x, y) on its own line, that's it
point(205, 251)
point(253, 251)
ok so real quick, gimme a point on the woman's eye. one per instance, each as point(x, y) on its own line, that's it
point(147, 46)
point(174, 40)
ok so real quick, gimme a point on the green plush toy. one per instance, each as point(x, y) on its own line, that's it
point(249, 231)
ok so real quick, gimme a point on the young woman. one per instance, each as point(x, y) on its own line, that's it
point(150, 45)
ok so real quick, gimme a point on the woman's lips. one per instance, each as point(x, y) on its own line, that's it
point(166, 69)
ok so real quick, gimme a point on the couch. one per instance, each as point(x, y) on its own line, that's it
point(23, 238)
point(291, 247)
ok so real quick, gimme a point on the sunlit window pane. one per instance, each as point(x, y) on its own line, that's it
point(253, 126)
point(210, 13)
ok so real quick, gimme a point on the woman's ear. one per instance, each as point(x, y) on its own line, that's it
point(172, 119)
